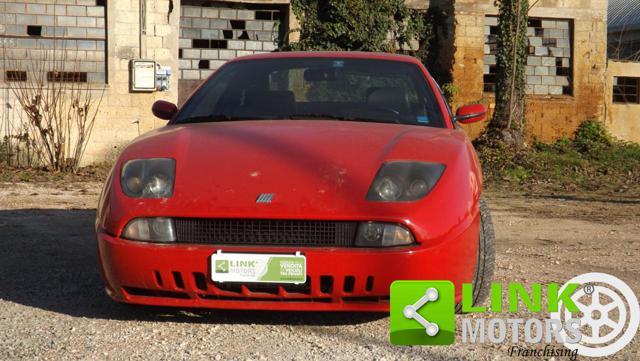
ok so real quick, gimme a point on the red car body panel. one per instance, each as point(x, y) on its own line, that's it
point(320, 170)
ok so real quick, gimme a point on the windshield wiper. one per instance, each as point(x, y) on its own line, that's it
point(215, 118)
point(317, 116)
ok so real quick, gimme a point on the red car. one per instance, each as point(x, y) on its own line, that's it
point(298, 181)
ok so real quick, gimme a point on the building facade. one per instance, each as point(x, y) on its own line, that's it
point(566, 66)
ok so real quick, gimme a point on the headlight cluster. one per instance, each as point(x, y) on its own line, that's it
point(148, 178)
point(376, 234)
point(404, 181)
point(157, 229)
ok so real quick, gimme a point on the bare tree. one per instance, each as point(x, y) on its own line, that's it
point(59, 105)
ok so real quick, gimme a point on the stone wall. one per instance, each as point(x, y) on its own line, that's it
point(212, 33)
point(133, 31)
point(551, 116)
point(70, 35)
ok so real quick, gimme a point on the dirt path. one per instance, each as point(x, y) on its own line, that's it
point(52, 305)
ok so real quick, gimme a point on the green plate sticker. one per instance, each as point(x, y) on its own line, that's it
point(258, 267)
point(422, 313)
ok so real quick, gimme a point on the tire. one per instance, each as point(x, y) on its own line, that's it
point(486, 258)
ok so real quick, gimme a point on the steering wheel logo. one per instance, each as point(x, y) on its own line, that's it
point(607, 305)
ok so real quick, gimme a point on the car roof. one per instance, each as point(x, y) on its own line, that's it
point(330, 54)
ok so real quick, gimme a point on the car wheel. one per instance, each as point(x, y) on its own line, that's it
point(486, 258)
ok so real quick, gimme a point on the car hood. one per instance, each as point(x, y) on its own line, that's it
point(314, 168)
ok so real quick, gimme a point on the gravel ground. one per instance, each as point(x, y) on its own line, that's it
point(52, 305)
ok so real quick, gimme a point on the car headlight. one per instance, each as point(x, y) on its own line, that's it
point(156, 229)
point(148, 178)
point(404, 181)
point(376, 234)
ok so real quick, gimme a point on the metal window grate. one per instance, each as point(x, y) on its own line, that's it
point(266, 232)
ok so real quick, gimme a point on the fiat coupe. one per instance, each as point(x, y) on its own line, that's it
point(298, 181)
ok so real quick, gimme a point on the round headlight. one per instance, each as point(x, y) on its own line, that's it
point(388, 189)
point(417, 188)
point(134, 184)
point(158, 185)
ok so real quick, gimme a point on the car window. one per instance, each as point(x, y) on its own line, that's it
point(316, 88)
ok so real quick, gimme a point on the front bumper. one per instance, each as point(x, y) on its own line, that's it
point(339, 279)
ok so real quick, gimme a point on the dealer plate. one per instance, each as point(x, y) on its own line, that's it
point(258, 267)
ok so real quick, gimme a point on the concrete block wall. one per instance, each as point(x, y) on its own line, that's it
point(211, 35)
point(549, 116)
point(132, 32)
point(548, 70)
point(70, 31)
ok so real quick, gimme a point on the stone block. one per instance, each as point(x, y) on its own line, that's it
point(210, 54)
point(535, 41)
point(190, 74)
point(228, 14)
point(26, 43)
point(549, 80)
point(184, 64)
point(36, 9)
point(210, 13)
point(95, 33)
point(264, 35)
point(221, 24)
point(14, 8)
point(562, 24)
point(246, 14)
point(191, 11)
point(56, 10)
point(190, 53)
point(25, 19)
point(235, 44)
point(77, 10)
point(534, 80)
point(87, 45)
point(76, 32)
point(46, 20)
point(541, 51)
point(96, 77)
point(563, 43)
point(184, 43)
point(211, 34)
point(66, 21)
point(528, 89)
point(541, 70)
point(253, 45)
point(227, 54)
point(562, 81)
point(202, 23)
point(185, 22)
point(215, 64)
point(555, 90)
point(548, 61)
point(97, 11)
point(529, 70)
point(253, 25)
point(86, 22)
point(541, 89)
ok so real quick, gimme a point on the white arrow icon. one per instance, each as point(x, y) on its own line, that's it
point(411, 311)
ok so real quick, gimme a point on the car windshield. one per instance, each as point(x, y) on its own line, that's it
point(316, 88)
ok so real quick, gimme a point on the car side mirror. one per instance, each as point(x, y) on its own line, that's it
point(164, 110)
point(472, 113)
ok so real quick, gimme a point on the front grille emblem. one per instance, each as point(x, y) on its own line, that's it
point(265, 198)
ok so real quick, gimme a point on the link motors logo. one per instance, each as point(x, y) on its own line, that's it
point(594, 314)
point(609, 314)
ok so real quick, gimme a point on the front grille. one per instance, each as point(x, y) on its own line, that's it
point(268, 232)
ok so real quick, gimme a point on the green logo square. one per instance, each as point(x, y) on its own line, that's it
point(222, 266)
point(422, 313)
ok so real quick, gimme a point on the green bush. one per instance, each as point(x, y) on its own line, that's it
point(591, 136)
point(362, 25)
point(592, 161)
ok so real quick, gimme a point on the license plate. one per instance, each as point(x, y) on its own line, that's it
point(258, 267)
